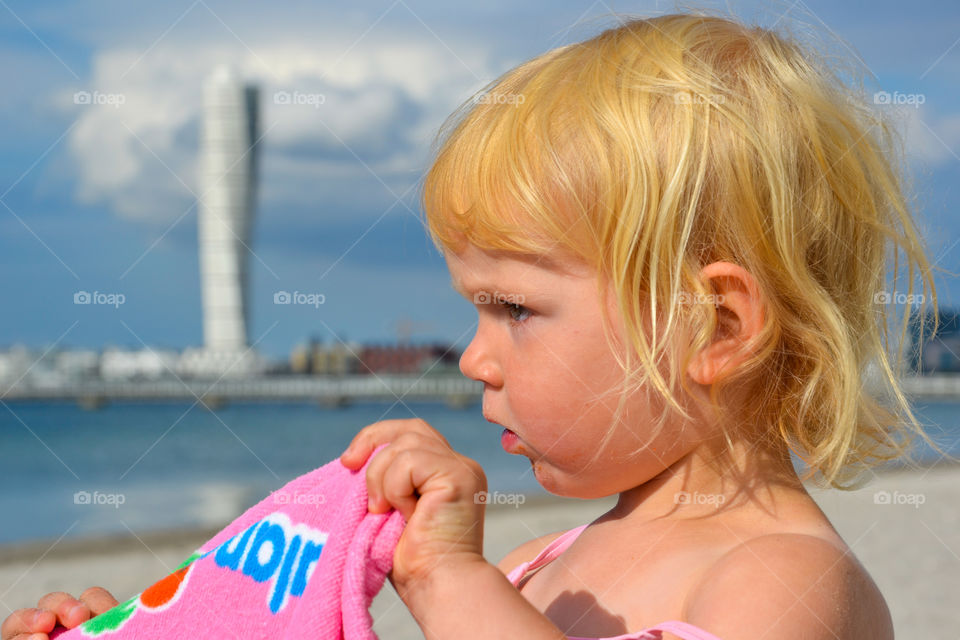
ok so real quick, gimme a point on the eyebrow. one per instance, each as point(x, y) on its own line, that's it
point(544, 261)
point(502, 293)
point(466, 294)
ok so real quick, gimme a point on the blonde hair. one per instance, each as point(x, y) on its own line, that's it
point(669, 143)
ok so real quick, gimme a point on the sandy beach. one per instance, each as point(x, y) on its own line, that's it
point(904, 527)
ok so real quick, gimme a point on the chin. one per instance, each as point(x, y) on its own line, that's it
point(567, 486)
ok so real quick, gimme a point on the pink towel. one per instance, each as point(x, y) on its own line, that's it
point(303, 563)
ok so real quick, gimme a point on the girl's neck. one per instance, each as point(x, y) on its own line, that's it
point(704, 484)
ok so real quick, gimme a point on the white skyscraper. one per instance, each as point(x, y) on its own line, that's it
point(227, 181)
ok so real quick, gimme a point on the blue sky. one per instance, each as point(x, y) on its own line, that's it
point(100, 197)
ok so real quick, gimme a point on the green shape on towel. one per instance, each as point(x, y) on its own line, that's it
point(111, 620)
point(115, 618)
point(193, 556)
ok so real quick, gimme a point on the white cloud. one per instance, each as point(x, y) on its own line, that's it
point(384, 96)
point(382, 100)
point(930, 139)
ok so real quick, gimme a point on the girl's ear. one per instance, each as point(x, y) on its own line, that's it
point(739, 318)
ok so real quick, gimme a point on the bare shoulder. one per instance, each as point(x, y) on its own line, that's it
point(526, 552)
point(789, 585)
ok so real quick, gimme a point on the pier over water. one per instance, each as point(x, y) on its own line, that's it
point(454, 390)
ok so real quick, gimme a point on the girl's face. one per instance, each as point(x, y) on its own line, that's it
point(551, 378)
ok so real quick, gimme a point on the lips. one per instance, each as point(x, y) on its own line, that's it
point(509, 440)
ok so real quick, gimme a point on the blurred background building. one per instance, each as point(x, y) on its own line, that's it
point(228, 187)
point(938, 353)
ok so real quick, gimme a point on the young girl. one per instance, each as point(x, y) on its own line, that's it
point(674, 234)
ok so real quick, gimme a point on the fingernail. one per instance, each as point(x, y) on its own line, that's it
point(77, 610)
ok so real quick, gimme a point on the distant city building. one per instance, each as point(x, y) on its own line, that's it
point(228, 176)
point(15, 363)
point(139, 364)
point(219, 363)
point(408, 358)
point(318, 359)
point(939, 353)
point(78, 363)
point(344, 359)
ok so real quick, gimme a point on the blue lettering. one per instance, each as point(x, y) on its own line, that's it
point(227, 557)
point(280, 586)
point(267, 533)
point(309, 557)
point(273, 550)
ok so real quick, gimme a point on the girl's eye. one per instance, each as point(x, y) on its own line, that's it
point(517, 313)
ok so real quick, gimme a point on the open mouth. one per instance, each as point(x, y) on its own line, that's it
point(508, 439)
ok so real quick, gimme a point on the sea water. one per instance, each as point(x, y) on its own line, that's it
point(137, 467)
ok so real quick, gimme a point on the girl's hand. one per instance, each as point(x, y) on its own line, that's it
point(438, 491)
point(54, 609)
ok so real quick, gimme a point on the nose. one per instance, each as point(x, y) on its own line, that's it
point(479, 363)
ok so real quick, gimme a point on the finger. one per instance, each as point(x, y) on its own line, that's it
point(414, 473)
point(360, 447)
point(375, 471)
point(372, 436)
point(399, 488)
point(22, 622)
point(69, 611)
point(386, 458)
point(98, 600)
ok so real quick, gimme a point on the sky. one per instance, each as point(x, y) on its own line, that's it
point(101, 197)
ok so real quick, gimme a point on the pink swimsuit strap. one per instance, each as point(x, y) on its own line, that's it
point(558, 546)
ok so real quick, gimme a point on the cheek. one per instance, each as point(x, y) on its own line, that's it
point(569, 388)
